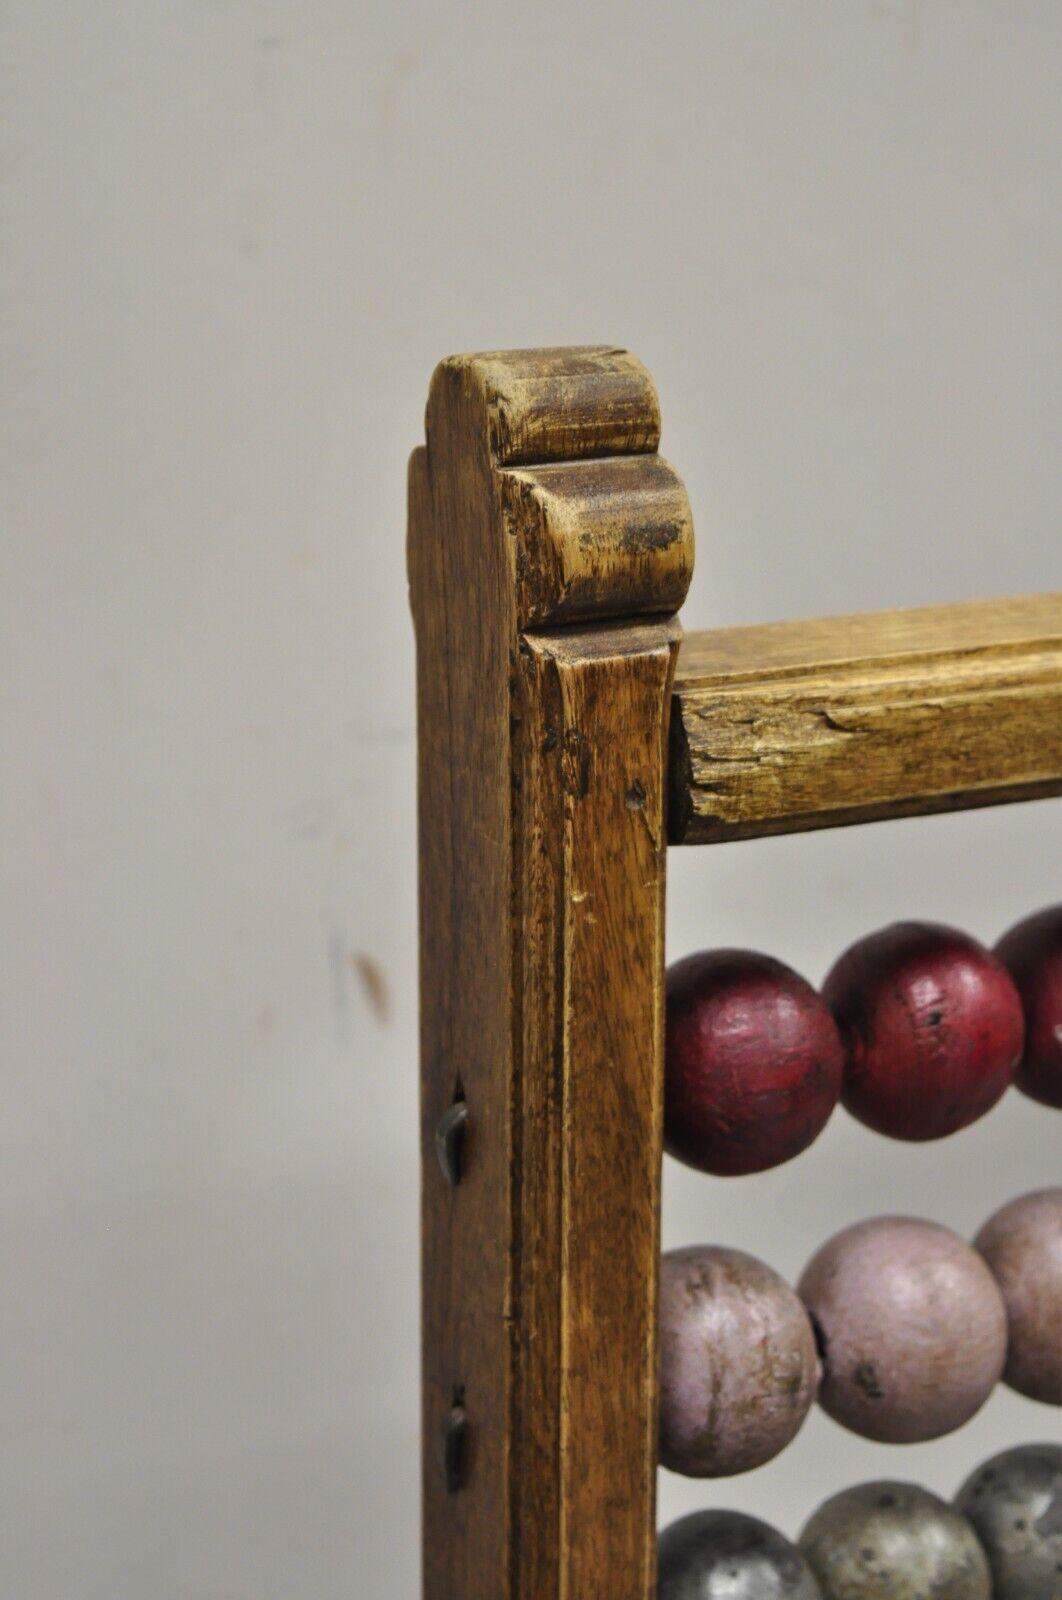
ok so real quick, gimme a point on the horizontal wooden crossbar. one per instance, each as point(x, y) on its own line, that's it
point(798, 725)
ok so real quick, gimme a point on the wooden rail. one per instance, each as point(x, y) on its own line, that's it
point(798, 725)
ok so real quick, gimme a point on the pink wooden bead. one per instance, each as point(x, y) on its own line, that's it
point(738, 1366)
point(912, 1328)
point(1022, 1245)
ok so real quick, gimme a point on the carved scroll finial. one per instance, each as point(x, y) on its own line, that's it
point(596, 524)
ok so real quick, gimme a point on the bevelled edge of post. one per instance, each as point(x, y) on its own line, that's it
point(597, 526)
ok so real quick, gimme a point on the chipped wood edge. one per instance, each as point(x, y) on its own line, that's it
point(801, 726)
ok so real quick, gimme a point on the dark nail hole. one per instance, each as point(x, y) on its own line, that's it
point(450, 1141)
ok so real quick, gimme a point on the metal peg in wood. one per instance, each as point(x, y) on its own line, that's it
point(450, 1139)
point(453, 1439)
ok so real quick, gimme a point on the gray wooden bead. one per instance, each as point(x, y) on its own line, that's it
point(738, 1365)
point(912, 1328)
point(1014, 1502)
point(1022, 1245)
point(725, 1555)
point(894, 1541)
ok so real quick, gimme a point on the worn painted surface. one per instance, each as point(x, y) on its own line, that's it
point(894, 1541)
point(932, 1029)
point(752, 1062)
point(738, 1366)
point(725, 1555)
point(911, 1328)
point(1014, 1502)
point(1022, 1244)
point(1032, 953)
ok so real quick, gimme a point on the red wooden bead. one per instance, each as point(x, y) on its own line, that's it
point(1022, 1245)
point(911, 1325)
point(932, 1028)
point(738, 1364)
point(753, 1062)
point(1032, 954)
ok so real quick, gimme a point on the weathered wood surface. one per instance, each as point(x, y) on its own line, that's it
point(799, 725)
point(541, 817)
point(598, 539)
point(594, 714)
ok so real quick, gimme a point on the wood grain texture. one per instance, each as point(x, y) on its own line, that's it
point(593, 825)
point(792, 726)
point(564, 404)
point(541, 779)
point(596, 538)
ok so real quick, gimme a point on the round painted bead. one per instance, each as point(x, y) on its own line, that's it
point(725, 1555)
point(1032, 954)
point(1022, 1245)
point(894, 1541)
point(753, 1062)
point(932, 1028)
point(738, 1365)
point(1014, 1502)
point(911, 1327)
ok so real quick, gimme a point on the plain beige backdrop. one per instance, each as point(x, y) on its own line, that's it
point(237, 235)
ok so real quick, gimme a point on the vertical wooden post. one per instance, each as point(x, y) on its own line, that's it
point(549, 547)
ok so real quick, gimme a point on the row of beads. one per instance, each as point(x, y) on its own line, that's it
point(918, 1031)
point(898, 1327)
point(1001, 1540)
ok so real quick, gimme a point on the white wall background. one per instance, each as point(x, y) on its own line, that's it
point(237, 234)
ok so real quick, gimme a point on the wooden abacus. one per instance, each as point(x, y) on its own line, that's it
point(567, 732)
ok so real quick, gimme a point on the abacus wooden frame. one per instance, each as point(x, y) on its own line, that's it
point(549, 549)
